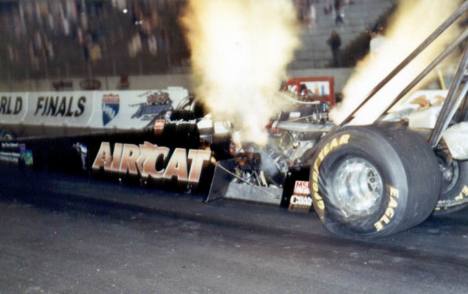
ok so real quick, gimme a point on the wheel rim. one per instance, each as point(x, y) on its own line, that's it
point(357, 187)
point(450, 175)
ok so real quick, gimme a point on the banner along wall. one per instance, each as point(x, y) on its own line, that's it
point(88, 109)
point(133, 109)
point(13, 107)
point(59, 109)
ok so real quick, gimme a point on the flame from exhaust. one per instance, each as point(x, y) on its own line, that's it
point(240, 50)
point(412, 23)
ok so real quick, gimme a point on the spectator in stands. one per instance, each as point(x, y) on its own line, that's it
point(302, 8)
point(312, 16)
point(335, 44)
point(339, 13)
point(43, 35)
point(328, 8)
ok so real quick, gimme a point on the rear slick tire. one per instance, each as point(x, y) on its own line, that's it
point(373, 181)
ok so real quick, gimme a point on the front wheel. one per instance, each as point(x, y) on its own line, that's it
point(373, 181)
point(454, 194)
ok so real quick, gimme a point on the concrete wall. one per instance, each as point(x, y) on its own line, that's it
point(108, 83)
point(161, 81)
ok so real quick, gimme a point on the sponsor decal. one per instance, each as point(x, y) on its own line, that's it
point(60, 106)
point(389, 213)
point(319, 204)
point(90, 84)
point(110, 107)
point(300, 203)
point(157, 103)
point(11, 105)
point(150, 161)
point(301, 188)
point(301, 199)
point(16, 154)
point(62, 85)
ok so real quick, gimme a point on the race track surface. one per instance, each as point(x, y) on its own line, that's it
point(87, 247)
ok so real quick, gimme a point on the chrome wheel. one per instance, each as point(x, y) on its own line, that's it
point(356, 189)
point(450, 175)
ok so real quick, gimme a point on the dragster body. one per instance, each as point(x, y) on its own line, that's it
point(362, 181)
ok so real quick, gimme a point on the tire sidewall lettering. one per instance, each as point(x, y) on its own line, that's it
point(393, 195)
point(334, 144)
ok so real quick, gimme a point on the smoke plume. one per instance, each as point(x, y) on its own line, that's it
point(413, 21)
point(240, 50)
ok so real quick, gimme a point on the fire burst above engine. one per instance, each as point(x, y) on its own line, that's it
point(240, 50)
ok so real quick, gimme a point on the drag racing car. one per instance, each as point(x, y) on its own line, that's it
point(363, 181)
point(371, 180)
point(378, 179)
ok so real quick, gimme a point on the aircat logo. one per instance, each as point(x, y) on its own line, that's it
point(150, 161)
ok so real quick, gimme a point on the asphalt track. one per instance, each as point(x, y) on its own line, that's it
point(82, 237)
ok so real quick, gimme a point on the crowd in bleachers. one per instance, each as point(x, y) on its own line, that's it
point(307, 10)
point(70, 37)
point(41, 33)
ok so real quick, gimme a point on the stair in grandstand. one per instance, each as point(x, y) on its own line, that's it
point(359, 17)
